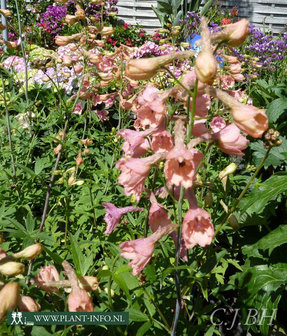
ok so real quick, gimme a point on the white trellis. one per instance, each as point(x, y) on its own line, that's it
point(268, 14)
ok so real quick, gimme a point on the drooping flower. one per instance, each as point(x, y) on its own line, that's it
point(114, 214)
point(158, 216)
point(27, 304)
point(135, 144)
point(161, 141)
point(197, 228)
point(9, 295)
point(134, 173)
point(140, 251)
point(230, 140)
point(181, 165)
point(47, 274)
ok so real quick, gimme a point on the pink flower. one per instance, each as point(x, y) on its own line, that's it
point(250, 119)
point(114, 214)
point(181, 165)
point(47, 274)
point(107, 64)
point(80, 301)
point(134, 173)
point(102, 114)
point(158, 216)
point(161, 141)
point(199, 128)
point(27, 304)
point(182, 249)
point(197, 228)
point(217, 124)
point(141, 250)
point(135, 145)
point(146, 117)
point(231, 141)
point(78, 109)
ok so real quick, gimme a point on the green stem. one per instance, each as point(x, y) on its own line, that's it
point(178, 82)
point(192, 114)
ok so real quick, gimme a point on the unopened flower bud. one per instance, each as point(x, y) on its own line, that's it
point(58, 149)
point(86, 151)
point(12, 268)
point(6, 12)
point(79, 160)
point(208, 201)
point(30, 252)
point(107, 31)
point(80, 13)
point(71, 179)
point(71, 19)
point(87, 142)
point(27, 304)
point(67, 60)
point(230, 169)
point(47, 274)
point(9, 295)
point(232, 220)
point(89, 283)
point(205, 67)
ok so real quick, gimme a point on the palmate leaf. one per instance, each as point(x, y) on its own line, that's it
point(257, 199)
point(276, 109)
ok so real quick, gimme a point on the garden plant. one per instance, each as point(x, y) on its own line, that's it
point(143, 173)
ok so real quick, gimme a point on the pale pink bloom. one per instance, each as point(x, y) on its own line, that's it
point(238, 77)
point(235, 68)
point(231, 141)
point(227, 82)
point(197, 228)
point(151, 97)
point(217, 124)
point(135, 144)
point(3, 254)
point(182, 249)
point(161, 141)
point(107, 64)
point(47, 274)
point(202, 105)
point(80, 301)
point(199, 128)
point(231, 59)
point(188, 80)
point(250, 119)
point(141, 250)
point(146, 117)
point(102, 114)
point(78, 109)
point(109, 102)
point(181, 165)
point(27, 304)
point(114, 214)
point(158, 216)
point(134, 173)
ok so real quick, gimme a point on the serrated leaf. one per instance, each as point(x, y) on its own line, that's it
point(119, 280)
point(276, 156)
point(269, 242)
point(276, 109)
point(258, 198)
point(58, 260)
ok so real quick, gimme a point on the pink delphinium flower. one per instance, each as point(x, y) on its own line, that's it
point(47, 274)
point(161, 141)
point(79, 300)
point(231, 141)
point(134, 173)
point(27, 304)
point(114, 214)
point(217, 124)
point(135, 144)
point(197, 228)
point(182, 249)
point(78, 109)
point(141, 250)
point(181, 165)
point(158, 216)
point(102, 114)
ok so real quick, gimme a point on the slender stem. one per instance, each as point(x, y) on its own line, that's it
point(92, 203)
point(157, 308)
point(67, 215)
point(184, 291)
point(178, 82)
point(177, 282)
point(192, 114)
point(243, 192)
point(51, 183)
point(9, 132)
point(23, 54)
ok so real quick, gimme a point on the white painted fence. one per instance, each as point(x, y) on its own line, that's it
point(270, 14)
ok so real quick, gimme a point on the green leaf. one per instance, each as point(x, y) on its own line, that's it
point(78, 256)
point(26, 170)
point(29, 223)
point(137, 315)
point(206, 7)
point(276, 109)
point(58, 260)
point(276, 156)
point(258, 198)
point(120, 281)
point(144, 329)
point(269, 242)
